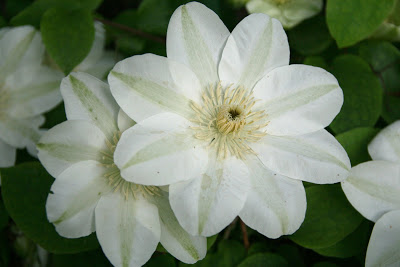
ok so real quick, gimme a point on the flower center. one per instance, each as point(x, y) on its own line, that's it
point(114, 178)
point(228, 120)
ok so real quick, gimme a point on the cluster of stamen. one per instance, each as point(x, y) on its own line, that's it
point(228, 121)
point(114, 178)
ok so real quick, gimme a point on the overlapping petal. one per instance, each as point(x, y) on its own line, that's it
point(159, 151)
point(128, 229)
point(196, 37)
point(298, 99)
point(147, 85)
point(7, 155)
point(275, 205)
point(257, 45)
point(386, 145)
point(22, 132)
point(74, 195)
point(316, 157)
point(209, 202)
point(373, 188)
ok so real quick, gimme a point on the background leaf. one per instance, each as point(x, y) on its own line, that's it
point(264, 259)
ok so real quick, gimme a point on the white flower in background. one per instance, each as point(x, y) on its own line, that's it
point(27, 89)
point(228, 123)
point(390, 29)
point(373, 188)
point(288, 12)
point(89, 194)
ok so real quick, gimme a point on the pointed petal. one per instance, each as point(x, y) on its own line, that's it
point(386, 145)
point(298, 99)
point(124, 122)
point(160, 150)
point(73, 198)
point(373, 188)
point(196, 37)
point(209, 202)
point(174, 238)
point(317, 157)
point(87, 98)
point(22, 132)
point(71, 142)
point(383, 247)
point(7, 155)
point(148, 84)
point(128, 229)
point(257, 45)
point(275, 205)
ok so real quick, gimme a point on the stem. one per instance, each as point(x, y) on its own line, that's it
point(230, 228)
point(246, 242)
point(133, 31)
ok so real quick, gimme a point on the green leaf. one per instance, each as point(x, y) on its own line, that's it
point(264, 259)
point(259, 247)
point(25, 189)
point(362, 94)
point(164, 260)
point(33, 13)
point(311, 37)
point(325, 264)
point(329, 218)
point(84, 259)
point(291, 254)
point(3, 216)
point(355, 142)
point(351, 21)
point(68, 36)
point(4, 249)
point(211, 241)
point(354, 244)
point(230, 253)
point(316, 61)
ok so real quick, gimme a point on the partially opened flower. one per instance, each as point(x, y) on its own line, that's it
point(27, 89)
point(89, 194)
point(228, 123)
point(373, 188)
point(288, 12)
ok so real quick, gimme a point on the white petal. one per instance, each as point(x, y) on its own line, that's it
point(373, 188)
point(7, 155)
point(257, 45)
point(148, 84)
point(33, 91)
point(88, 98)
point(298, 99)
point(275, 205)
point(174, 238)
point(160, 150)
point(128, 229)
point(71, 142)
point(124, 122)
point(384, 244)
point(73, 198)
point(196, 37)
point(386, 145)
point(209, 202)
point(104, 65)
point(317, 157)
point(22, 132)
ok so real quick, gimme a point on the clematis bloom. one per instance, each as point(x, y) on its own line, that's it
point(89, 194)
point(228, 124)
point(373, 188)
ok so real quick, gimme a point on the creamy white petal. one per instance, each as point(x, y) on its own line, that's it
point(71, 142)
point(33, 91)
point(373, 188)
point(209, 202)
point(196, 37)
point(384, 244)
point(128, 229)
point(148, 84)
point(160, 150)
point(20, 132)
point(386, 145)
point(316, 157)
point(7, 155)
point(88, 98)
point(257, 45)
point(74, 195)
point(275, 205)
point(124, 121)
point(174, 238)
point(298, 99)
point(103, 66)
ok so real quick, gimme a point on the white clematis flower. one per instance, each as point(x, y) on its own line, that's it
point(373, 188)
point(228, 123)
point(27, 89)
point(89, 194)
point(288, 12)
